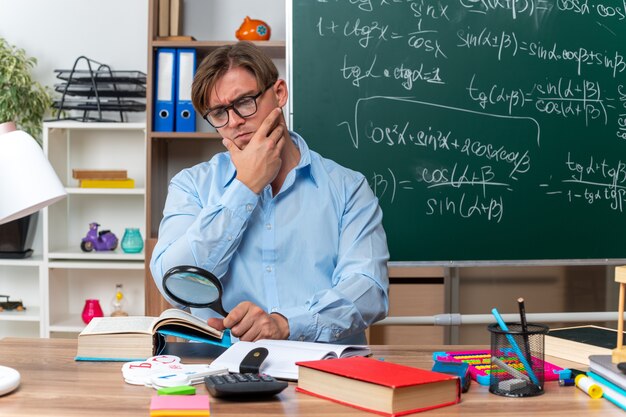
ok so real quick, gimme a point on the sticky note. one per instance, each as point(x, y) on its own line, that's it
point(179, 405)
point(179, 390)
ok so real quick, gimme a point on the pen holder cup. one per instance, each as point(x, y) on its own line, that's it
point(517, 355)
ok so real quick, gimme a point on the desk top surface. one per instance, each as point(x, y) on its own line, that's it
point(53, 384)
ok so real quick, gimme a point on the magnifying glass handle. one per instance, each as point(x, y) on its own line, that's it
point(217, 307)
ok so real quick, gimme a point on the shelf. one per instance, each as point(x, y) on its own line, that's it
point(106, 191)
point(275, 49)
point(35, 260)
point(30, 314)
point(95, 265)
point(58, 256)
point(185, 135)
point(68, 124)
point(68, 323)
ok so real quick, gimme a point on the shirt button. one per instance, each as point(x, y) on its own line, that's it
point(301, 338)
point(249, 207)
point(268, 268)
point(274, 309)
point(230, 238)
point(268, 226)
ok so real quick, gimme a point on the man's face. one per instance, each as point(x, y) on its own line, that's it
point(234, 84)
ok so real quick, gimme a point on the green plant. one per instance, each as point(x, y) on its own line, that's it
point(22, 99)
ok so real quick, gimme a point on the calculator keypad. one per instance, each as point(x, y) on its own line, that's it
point(243, 385)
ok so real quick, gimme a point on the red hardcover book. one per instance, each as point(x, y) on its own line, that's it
point(380, 387)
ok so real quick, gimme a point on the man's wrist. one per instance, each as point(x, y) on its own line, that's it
point(282, 323)
point(251, 185)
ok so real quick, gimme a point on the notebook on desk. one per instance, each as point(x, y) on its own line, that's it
point(283, 355)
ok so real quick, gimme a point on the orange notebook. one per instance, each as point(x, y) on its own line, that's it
point(380, 387)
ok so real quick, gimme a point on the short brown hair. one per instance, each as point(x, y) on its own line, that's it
point(219, 61)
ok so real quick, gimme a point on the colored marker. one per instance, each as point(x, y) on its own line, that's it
point(587, 385)
point(514, 345)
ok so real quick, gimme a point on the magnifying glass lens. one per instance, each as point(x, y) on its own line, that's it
point(192, 288)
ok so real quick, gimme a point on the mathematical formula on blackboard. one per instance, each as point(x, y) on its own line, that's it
point(472, 113)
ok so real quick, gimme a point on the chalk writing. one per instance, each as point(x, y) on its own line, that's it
point(491, 208)
point(621, 118)
point(503, 41)
point(405, 75)
point(582, 7)
point(353, 130)
point(486, 118)
point(563, 97)
point(595, 180)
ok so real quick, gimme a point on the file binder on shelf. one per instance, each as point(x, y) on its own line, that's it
point(185, 114)
point(164, 112)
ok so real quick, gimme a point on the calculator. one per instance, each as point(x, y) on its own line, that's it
point(243, 385)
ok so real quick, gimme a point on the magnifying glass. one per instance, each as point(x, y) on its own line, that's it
point(194, 287)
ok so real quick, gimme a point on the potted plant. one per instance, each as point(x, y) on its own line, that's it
point(25, 102)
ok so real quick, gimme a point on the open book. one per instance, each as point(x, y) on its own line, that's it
point(137, 337)
point(283, 355)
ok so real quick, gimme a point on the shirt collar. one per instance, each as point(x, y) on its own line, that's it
point(304, 166)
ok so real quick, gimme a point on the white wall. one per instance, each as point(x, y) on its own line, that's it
point(114, 32)
point(56, 32)
point(203, 20)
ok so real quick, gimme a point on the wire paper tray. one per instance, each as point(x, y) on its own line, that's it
point(85, 76)
point(102, 90)
point(105, 105)
point(91, 87)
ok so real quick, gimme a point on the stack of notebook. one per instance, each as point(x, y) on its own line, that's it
point(101, 178)
point(611, 379)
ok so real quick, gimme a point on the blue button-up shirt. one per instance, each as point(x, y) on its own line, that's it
point(315, 252)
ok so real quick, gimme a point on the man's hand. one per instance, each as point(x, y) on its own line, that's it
point(249, 322)
point(259, 162)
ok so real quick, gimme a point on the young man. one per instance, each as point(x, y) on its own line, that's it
point(296, 240)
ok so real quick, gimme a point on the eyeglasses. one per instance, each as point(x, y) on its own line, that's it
point(243, 106)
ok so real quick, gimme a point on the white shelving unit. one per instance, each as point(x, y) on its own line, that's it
point(70, 275)
point(25, 280)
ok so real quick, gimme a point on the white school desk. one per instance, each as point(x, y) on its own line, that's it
point(53, 384)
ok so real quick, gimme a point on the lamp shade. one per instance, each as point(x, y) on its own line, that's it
point(28, 182)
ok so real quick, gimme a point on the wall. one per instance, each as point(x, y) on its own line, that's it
point(114, 32)
point(57, 32)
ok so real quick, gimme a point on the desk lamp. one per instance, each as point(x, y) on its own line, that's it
point(28, 183)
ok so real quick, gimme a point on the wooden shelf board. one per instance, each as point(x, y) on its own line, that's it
point(185, 135)
point(275, 49)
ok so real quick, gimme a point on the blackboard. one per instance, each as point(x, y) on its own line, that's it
point(490, 130)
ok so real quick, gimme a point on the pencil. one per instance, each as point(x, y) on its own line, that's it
point(516, 349)
point(522, 314)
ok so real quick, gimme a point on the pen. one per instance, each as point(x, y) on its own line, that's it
point(522, 314)
point(514, 345)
